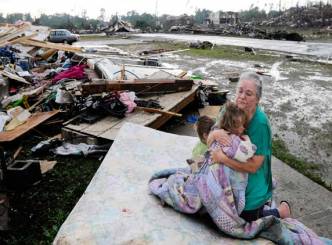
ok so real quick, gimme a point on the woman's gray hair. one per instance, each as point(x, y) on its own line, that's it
point(253, 76)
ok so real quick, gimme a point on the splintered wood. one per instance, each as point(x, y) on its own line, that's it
point(32, 122)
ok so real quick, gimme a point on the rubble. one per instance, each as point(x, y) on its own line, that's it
point(44, 78)
point(86, 92)
point(201, 45)
point(118, 26)
point(247, 30)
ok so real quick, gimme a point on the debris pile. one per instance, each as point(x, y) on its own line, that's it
point(86, 92)
point(38, 77)
point(247, 30)
point(118, 26)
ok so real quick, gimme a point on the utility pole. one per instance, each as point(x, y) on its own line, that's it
point(279, 7)
point(156, 14)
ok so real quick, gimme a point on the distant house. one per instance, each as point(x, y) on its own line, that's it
point(178, 21)
point(220, 18)
point(119, 26)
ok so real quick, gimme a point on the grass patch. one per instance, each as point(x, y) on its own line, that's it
point(218, 52)
point(231, 53)
point(37, 213)
point(97, 37)
point(280, 150)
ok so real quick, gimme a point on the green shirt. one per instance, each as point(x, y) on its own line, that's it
point(259, 188)
point(199, 149)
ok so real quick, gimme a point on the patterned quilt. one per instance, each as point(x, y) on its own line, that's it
point(220, 192)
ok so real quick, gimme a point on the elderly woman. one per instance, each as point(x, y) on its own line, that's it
point(259, 187)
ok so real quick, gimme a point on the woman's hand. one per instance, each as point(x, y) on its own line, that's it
point(218, 156)
point(219, 135)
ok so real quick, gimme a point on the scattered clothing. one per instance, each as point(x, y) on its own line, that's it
point(75, 72)
point(80, 149)
point(128, 99)
point(45, 145)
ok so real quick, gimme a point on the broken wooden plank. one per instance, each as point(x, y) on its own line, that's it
point(154, 110)
point(140, 86)
point(12, 33)
point(48, 53)
point(33, 50)
point(44, 44)
point(185, 100)
point(32, 122)
point(20, 39)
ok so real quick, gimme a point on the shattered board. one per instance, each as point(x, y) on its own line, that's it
point(117, 208)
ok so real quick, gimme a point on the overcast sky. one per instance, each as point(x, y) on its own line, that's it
point(172, 7)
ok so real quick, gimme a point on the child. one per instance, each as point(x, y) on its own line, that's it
point(241, 149)
point(234, 121)
point(203, 127)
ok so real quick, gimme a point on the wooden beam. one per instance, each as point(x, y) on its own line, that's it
point(44, 44)
point(164, 118)
point(142, 87)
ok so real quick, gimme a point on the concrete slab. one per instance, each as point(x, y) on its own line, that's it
point(311, 203)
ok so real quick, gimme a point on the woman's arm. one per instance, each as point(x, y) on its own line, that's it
point(251, 166)
point(219, 135)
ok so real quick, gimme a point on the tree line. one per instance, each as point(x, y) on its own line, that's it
point(145, 21)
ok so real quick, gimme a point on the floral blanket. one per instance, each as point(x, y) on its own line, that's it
point(220, 191)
